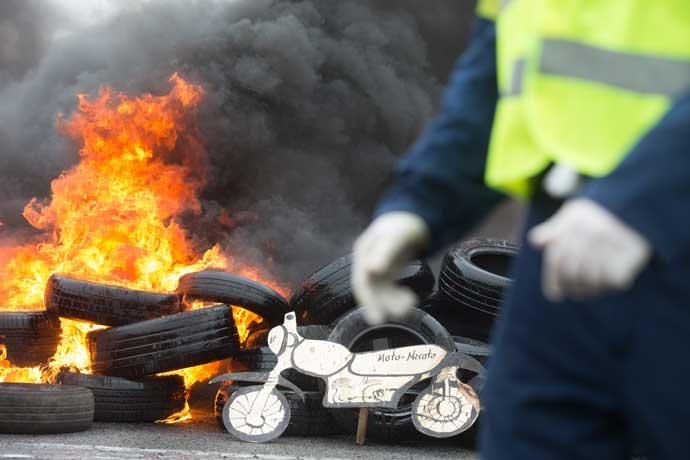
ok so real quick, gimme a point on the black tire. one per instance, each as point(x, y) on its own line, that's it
point(120, 400)
point(31, 338)
point(476, 274)
point(458, 319)
point(262, 359)
point(388, 425)
point(326, 295)
point(257, 339)
point(44, 409)
point(478, 350)
point(472, 347)
point(259, 359)
point(222, 396)
point(310, 331)
point(104, 304)
point(308, 417)
point(222, 287)
point(164, 344)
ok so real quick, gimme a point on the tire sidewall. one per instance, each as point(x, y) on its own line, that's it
point(387, 424)
point(459, 260)
point(353, 326)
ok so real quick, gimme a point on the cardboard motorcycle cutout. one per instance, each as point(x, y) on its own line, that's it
point(260, 413)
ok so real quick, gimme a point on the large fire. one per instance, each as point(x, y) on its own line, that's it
point(113, 217)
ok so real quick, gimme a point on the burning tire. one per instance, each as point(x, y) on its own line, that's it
point(30, 338)
point(327, 295)
point(308, 417)
point(219, 401)
point(45, 409)
point(215, 286)
point(475, 275)
point(388, 425)
point(257, 339)
point(164, 344)
point(104, 304)
point(262, 359)
point(120, 400)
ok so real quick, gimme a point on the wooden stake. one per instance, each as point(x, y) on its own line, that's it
point(362, 426)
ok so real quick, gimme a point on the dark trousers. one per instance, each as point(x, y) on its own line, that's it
point(590, 380)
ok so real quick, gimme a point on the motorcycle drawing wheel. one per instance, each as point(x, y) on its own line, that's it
point(275, 416)
point(444, 410)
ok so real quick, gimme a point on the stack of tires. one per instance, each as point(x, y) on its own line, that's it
point(326, 295)
point(474, 278)
point(473, 281)
point(472, 284)
point(146, 334)
point(327, 310)
point(30, 339)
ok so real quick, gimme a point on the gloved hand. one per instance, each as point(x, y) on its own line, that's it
point(390, 242)
point(588, 251)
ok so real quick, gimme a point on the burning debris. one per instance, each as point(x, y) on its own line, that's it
point(114, 219)
point(122, 284)
point(142, 313)
point(308, 104)
point(114, 216)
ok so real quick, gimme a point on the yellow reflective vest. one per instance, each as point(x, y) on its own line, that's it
point(581, 82)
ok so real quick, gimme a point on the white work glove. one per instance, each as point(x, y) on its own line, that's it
point(390, 242)
point(588, 251)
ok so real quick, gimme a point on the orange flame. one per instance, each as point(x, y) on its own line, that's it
point(179, 417)
point(113, 217)
point(16, 374)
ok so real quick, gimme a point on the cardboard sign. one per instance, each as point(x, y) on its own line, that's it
point(375, 379)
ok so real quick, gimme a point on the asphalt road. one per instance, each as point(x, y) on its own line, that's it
point(202, 439)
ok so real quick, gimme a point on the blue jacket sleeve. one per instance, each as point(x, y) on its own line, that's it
point(441, 178)
point(650, 189)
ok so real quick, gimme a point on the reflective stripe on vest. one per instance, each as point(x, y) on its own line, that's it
point(632, 72)
point(636, 73)
point(580, 85)
point(517, 79)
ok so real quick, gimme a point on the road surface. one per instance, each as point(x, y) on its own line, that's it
point(202, 439)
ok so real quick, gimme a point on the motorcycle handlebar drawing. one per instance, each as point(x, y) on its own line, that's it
point(260, 413)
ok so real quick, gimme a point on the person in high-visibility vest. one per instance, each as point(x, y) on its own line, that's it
point(583, 110)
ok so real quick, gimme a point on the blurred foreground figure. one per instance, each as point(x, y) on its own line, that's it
point(582, 108)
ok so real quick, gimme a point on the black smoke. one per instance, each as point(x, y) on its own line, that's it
point(25, 28)
point(309, 103)
point(444, 24)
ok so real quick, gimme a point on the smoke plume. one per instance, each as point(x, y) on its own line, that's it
point(308, 105)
